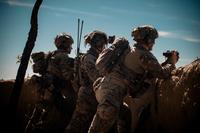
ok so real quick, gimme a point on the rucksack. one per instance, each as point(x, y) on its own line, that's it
point(40, 60)
point(109, 57)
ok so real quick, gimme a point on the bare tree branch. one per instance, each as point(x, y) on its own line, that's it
point(14, 99)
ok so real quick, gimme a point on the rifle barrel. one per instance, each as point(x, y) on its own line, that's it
point(80, 33)
point(78, 37)
point(80, 29)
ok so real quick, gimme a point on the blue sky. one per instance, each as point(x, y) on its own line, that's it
point(178, 23)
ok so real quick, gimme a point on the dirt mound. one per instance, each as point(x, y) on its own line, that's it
point(179, 99)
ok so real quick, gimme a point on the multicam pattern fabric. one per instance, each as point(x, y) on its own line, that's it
point(150, 63)
point(60, 65)
point(144, 33)
point(88, 65)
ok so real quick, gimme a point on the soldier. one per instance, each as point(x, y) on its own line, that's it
point(60, 72)
point(56, 73)
point(60, 65)
point(55, 68)
point(133, 71)
point(86, 102)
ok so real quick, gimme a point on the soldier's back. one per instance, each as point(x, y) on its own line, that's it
point(133, 60)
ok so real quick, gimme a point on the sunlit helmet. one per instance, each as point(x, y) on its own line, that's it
point(95, 37)
point(145, 33)
point(63, 41)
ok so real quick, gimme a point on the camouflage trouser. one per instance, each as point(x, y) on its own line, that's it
point(110, 97)
point(85, 109)
point(122, 125)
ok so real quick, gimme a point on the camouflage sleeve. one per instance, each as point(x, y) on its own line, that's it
point(53, 64)
point(90, 68)
point(64, 65)
point(151, 64)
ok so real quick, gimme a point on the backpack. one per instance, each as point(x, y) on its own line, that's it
point(109, 57)
point(40, 60)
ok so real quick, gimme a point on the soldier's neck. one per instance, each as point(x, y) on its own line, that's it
point(145, 47)
point(94, 51)
point(140, 46)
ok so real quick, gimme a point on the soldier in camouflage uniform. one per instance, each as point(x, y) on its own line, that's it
point(134, 72)
point(55, 87)
point(55, 68)
point(60, 64)
point(60, 71)
point(86, 102)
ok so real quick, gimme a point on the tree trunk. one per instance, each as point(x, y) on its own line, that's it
point(13, 103)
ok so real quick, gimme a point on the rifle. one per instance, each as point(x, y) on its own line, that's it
point(79, 37)
point(77, 61)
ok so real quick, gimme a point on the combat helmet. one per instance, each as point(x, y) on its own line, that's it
point(63, 41)
point(94, 37)
point(144, 34)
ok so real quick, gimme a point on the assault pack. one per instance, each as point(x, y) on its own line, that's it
point(109, 57)
point(40, 60)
